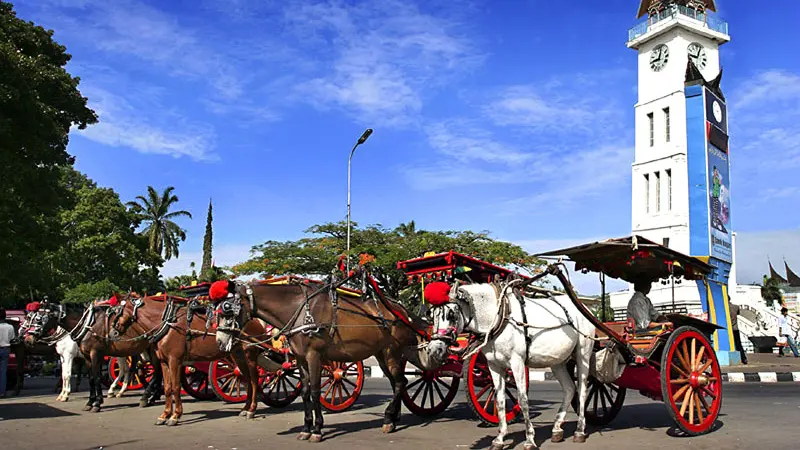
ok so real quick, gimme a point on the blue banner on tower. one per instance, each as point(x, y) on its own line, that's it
point(719, 202)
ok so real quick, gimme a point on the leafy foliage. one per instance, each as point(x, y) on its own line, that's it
point(162, 233)
point(39, 103)
point(318, 254)
point(86, 292)
point(207, 243)
point(771, 291)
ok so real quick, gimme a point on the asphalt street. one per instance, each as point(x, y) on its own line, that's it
point(754, 415)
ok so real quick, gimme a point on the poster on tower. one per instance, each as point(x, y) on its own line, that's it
point(719, 204)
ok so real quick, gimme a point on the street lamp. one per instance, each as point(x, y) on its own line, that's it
point(361, 140)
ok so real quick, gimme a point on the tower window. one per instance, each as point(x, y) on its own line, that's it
point(652, 129)
point(647, 192)
point(669, 189)
point(658, 191)
point(666, 124)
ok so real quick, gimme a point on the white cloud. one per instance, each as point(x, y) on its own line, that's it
point(379, 56)
point(223, 255)
point(121, 124)
point(771, 86)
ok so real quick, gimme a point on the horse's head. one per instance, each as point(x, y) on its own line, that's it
point(229, 311)
point(39, 324)
point(448, 313)
point(123, 314)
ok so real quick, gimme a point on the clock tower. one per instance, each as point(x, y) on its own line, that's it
point(680, 187)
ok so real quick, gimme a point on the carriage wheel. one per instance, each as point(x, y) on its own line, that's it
point(691, 381)
point(226, 381)
point(480, 391)
point(603, 400)
point(195, 383)
point(437, 391)
point(341, 385)
point(279, 389)
point(136, 382)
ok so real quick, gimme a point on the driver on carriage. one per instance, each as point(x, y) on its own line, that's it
point(640, 308)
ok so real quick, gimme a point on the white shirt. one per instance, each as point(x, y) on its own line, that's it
point(783, 323)
point(6, 334)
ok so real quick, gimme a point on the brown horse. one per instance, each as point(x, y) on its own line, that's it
point(90, 329)
point(163, 320)
point(321, 326)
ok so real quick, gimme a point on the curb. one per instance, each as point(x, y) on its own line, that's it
point(727, 377)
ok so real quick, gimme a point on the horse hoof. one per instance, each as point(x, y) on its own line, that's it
point(172, 422)
point(242, 413)
point(496, 446)
point(251, 415)
point(579, 438)
point(315, 438)
point(96, 409)
point(530, 447)
point(118, 395)
point(143, 404)
point(87, 408)
point(303, 436)
point(161, 421)
point(388, 428)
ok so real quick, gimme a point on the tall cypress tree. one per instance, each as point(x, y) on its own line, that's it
point(205, 269)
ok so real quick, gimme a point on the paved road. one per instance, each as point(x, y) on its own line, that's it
point(754, 415)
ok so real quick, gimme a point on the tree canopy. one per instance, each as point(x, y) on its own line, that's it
point(318, 254)
point(39, 103)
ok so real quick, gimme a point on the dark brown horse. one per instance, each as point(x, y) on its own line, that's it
point(163, 321)
point(321, 326)
point(90, 328)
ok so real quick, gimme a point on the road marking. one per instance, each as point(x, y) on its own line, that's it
point(736, 377)
point(796, 376)
point(768, 377)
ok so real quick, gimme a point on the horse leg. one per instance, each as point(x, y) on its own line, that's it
point(392, 366)
point(162, 419)
point(583, 355)
point(69, 358)
point(247, 359)
point(315, 378)
point(97, 367)
point(308, 418)
point(499, 381)
point(123, 369)
point(518, 368)
point(81, 363)
point(64, 377)
point(568, 388)
point(175, 366)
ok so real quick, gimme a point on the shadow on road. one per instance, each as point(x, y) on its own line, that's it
point(15, 411)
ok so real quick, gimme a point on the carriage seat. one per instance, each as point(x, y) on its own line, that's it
point(654, 329)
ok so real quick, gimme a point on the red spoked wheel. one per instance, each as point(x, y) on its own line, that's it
point(429, 392)
point(194, 382)
point(481, 392)
point(227, 381)
point(282, 387)
point(691, 381)
point(341, 385)
point(136, 381)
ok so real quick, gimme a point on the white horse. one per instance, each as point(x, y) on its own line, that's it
point(556, 333)
point(66, 348)
point(125, 374)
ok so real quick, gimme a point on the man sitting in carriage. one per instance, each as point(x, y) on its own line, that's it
point(640, 308)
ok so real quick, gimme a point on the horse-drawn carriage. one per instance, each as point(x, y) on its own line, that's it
point(672, 360)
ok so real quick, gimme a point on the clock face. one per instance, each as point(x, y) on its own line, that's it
point(697, 54)
point(659, 57)
point(717, 110)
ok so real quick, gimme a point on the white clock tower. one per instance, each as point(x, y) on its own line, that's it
point(674, 32)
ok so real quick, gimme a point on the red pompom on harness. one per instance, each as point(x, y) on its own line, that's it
point(218, 290)
point(437, 293)
point(32, 307)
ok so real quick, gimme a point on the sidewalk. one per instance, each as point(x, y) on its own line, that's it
point(761, 368)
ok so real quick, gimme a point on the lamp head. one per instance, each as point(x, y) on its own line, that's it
point(364, 136)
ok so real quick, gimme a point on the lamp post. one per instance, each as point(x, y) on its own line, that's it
point(361, 140)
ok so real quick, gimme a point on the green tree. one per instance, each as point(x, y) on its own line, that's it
point(771, 291)
point(86, 292)
point(39, 103)
point(319, 253)
point(101, 241)
point(162, 233)
point(207, 244)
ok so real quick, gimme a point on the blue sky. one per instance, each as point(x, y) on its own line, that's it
point(508, 116)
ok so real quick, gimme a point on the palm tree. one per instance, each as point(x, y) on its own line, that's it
point(771, 291)
point(161, 231)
